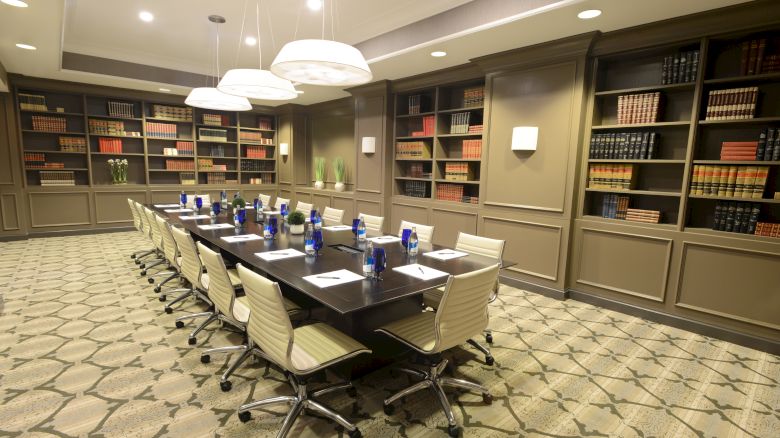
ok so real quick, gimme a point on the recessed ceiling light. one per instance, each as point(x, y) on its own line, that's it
point(26, 46)
point(588, 14)
point(17, 3)
point(146, 16)
point(438, 54)
point(165, 89)
point(250, 41)
point(314, 5)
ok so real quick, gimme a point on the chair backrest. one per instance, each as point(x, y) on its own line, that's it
point(220, 289)
point(266, 199)
point(145, 228)
point(134, 212)
point(205, 198)
point(373, 223)
point(332, 216)
point(154, 232)
point(481, 245)
point(280, 201)
point(269, 324)
point(424, 232)
point(304, 208)
point(169, 245)
point(191, 267)
point(463, 311)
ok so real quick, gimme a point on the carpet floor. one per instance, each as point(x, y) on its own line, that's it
point(85, 350)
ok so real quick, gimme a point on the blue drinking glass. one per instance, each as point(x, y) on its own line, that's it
point(312, 215)
point(380, 262)
point(256, 201)
point(355, 223)
point(216, 208)
point(241, 215)
point(183, 198)
point(198, 202)
point(273, 223)
point(317, 241)
point(405, 237)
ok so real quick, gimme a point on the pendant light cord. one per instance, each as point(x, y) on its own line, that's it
point(259, 41)
point(270, 25)
point(332, 32)
point(241, 35)
point(323, 19)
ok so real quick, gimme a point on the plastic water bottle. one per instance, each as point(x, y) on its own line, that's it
point(361, 234)
point(309, 239)
point(259, 210)
point(413, 241)
point(368, 259)
point(317, 221)
point(223, 199)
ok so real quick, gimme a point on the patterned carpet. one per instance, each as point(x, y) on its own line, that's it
point(85, 350)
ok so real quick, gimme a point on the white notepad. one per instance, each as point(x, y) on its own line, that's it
point(167, 205)
point(338, 228)
point(419, 271)
point(194, 217)
point(385, 239)
point(333, 278)
point(179, 210)
point(215, 226)
point(241, 238)
point(445, 254)
point(271, 256)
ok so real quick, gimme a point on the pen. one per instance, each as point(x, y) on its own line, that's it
point(421, 270)
point(330, 278)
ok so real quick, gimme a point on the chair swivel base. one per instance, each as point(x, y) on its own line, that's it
point(224, 384)
point(436, 382)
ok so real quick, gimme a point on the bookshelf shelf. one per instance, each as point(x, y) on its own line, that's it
point(463, 109)
point(96, 116)
point(421, 137)
point(205, 125)
point(52, 113)
point(216, 142)
point(408, 178)
point(215, 171)
point(765, 77)
point(474, 134)
point(129, 154)
point(664, 226)
point(258, 171)
point(169, 138)
point(407, 116)
point(726, 198)
point(635, 192)
point(249, 143)
point(470, 160)
point(172, 170)
point(757, 163)
point(171, 156)
point(455, 182)
point(32, 131)
point(659, 87)
point(255, 129)
point(76, 169)
point(139, 137)
point(710, 232)
point(256, 159)
point(647, 161)
point(163, 119)
point(756, 120)
point(43, 151)
point(414, 159)
point(642, 125)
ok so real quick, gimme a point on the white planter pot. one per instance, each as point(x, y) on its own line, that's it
point(339, 186)
point(297, 229)
point(319, 185)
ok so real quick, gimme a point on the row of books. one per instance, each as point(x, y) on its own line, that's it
point(61, 178)
point(110, 127)
point(217, 151)
point(736, 217)
point(756, 59)
point(255, 152)
point(209, 134)
point(73, 144)
point(423, 127)
point(473, 97)
point(739, 150)
point(121, 109)
point(614, 206)
point(624, 145)
point(416, 189)
point(768, 229)
point(218, 178)
point(611, 176)
point(161, 130)
point(645, 216)
point(450, 192)
point(208, 164)
point(112, 145)
point(417, 170)
point(187, 178)
point(475, 129)
point(459, 123)
point(414, 104)
point(729, 181)
point(45, 166)
point(680, 68)
point(179, 165)
point(185, 148)
point(257, 166)
point(455, 171)
point(267, 178)
point(32, 102)
point(768, 147)
point(732, 103)
point(254, 137)
point(411, 149)
point(266, 123)
point(178, 113)
point(51, 124)
point(216, 119)
point(33, 159)
point(638, 108)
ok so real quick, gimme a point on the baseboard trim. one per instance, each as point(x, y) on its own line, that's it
point(66, 233)
point(735, 337)
point(531, 287)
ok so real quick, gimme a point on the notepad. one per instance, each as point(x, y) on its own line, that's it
point(421, 272)
point(384, 239)
point(241, 238)
point(338, 228)
point(333, 278)
point(194, 217)
point(166, 205)
point(271, 256)
point(215, 226)
point(179, 210)
point(445, 254)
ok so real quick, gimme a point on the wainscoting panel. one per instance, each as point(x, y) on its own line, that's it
point(59, 209)
point(535, 247)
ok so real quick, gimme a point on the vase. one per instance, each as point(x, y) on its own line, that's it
point(339, 186)
point(119, 182)
point(297, 229)
point(319, 185)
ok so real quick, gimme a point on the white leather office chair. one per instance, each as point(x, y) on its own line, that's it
point(280, 201)
point(424, 232)
point(157, 240)
point(172, 258)
point(146, 229)
point(304, 208)
point(139, 225)
point(373, 223)
point(266, 199)
point(332, 216)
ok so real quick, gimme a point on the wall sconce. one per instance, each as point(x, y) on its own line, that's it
point(284, 149)
point(369, 145)
point(524, 138)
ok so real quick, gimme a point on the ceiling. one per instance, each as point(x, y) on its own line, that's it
point(396, 36)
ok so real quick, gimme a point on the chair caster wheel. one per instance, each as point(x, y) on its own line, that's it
point(137, 261)
point(244, 416)
point(157, 289)
point(489, 339)
point(489, 360)
point(168, 310)
point(150, 280)
point(355, 434)
point(179, 324)
point(132, 256)
point(191, 341)
point(352, 392)
point(389, 409)
point(162, 299)
point(225, 386)
point(487, 399)
point(453, 431)
point(143, 273)
point(205, 358)
point(142, 265)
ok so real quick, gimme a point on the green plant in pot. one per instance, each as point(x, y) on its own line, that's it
point(297, 222)
point(339, 171)
point(239, 211)
point(319, 172)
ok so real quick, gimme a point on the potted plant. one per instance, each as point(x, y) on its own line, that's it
point(339, 170)
point(319, 172)
point(118, 170)
point(297, 222)
point(239, 211)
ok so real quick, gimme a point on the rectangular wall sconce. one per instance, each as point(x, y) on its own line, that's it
point(369, 145)
point(284, 149)
point(524, 138)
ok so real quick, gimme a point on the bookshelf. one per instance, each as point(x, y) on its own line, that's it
point(76, 134)
point(438, 142)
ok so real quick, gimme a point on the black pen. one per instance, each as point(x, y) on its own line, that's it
point(330, 278)
point(421, 270)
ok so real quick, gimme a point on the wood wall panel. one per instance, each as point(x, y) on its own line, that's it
point(373, 208)
point(284, 163)
point(408, 212)
point(6, 158)
point(112, 207)
point(534, 247)
point(346, 204)
point(369, 122)
point(449, 223)
point(733, 283)
point(632, 264)
point(320, 201)
point(58, 209)
point(9, 212)
point(167, 196)
point(332, 136)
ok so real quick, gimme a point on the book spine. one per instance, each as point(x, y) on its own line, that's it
point(761, 147)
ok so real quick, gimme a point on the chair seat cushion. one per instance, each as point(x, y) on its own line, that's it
point(433, 297)
point(232, 273)
point(319, 345)
point(241, 308)
point(418, 331)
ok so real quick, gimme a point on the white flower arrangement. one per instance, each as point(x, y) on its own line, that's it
point(118, 170)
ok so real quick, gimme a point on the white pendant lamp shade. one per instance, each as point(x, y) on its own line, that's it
point(321, 62)
point(211, 98)
point(256, 84)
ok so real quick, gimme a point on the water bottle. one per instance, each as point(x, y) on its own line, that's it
point(368, 259)
point(259, 210)
point(309, 239)
point(223, 199)
point(317, 221)
point(413, 248)
point(361, 231)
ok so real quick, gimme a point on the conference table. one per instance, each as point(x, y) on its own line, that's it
point(356, 308)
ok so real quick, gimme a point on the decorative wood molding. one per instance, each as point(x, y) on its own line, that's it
point(63, 224)
point(16, 211)
point(458, 73)
point(524, 207)
point(538, 54)
point(558, 228)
